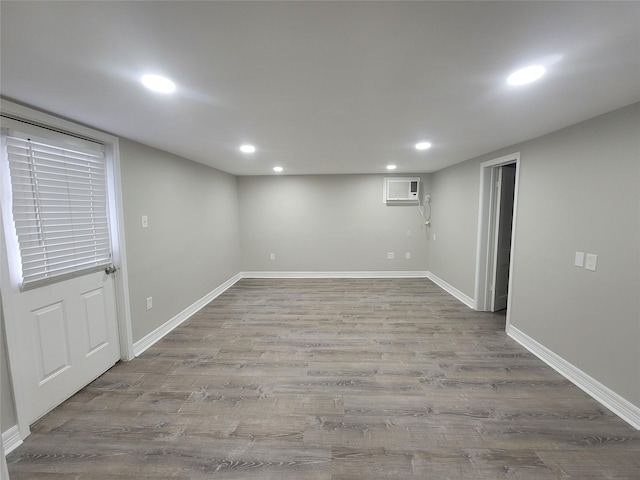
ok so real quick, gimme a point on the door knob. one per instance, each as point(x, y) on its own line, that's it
point(110, 269)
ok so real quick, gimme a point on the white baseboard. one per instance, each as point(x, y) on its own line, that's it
point(626, 410)
point(363, 274)
point(467, 300)
point(156, 335)
point(11, 439)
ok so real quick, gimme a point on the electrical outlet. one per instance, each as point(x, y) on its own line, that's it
point(272, 256)
point(591, 262)
point(407, 255)
point(149, 303)
point(390, 255)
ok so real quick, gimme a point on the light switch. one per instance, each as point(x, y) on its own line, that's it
point(592, 261)
point(145, 221)
point(579, 261)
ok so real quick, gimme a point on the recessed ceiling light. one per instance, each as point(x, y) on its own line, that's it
point(277, 169)
point(391, 167)
point(526, 75)
point(247, 148)
point(158, 83)
point(423, 146)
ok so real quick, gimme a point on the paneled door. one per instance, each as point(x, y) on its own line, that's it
point(58, 278)
point(68, 337)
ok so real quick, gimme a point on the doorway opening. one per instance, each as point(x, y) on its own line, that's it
point(496, 226)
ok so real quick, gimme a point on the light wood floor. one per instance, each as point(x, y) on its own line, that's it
point(332, 379)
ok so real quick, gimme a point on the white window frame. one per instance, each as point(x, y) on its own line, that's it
point(53, 261)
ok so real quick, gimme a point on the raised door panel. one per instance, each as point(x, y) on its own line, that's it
point(51, 341)
point(95, 320)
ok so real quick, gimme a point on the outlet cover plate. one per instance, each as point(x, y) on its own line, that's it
point(591, 262)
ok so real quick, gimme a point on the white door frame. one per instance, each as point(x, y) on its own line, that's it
point(4, 471)
point(123, 310)
point(486, 232)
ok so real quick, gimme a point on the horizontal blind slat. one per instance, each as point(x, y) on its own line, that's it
point(63, 256)
point(36, 249)
point(60, 203)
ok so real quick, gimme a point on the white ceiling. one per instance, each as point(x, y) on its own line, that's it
point(322, 87)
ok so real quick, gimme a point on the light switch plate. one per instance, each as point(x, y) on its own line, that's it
point(145, 221)
point(579, 261)
point(592, 261)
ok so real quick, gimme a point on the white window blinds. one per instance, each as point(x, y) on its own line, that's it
point(59, 206)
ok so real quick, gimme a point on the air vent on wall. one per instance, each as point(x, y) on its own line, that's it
point(401, 190)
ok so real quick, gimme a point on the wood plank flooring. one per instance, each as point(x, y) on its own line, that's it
point(332, 379)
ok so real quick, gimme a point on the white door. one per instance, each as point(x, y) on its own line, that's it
point(505, 187)
point(67, 336)
point(62, 328)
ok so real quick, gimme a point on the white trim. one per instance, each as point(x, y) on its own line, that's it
point(354, 274)
point(11, 439)
point(148, 340)
point(450, 289)
point(7, 306)
point(627, 411)
point(4, 471)
point(485, 234)
point(116, 209)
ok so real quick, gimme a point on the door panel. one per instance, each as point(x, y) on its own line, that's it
point(504, 222)
point(95, 316)
point(70, 328)
point(50, 343)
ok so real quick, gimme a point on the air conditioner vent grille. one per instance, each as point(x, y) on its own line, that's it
point(401, 189)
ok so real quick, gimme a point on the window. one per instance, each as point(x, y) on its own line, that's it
point(59, 204)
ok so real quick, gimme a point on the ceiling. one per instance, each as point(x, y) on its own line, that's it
point(322, 87)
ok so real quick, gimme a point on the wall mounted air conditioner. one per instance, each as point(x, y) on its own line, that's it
point(401, 189)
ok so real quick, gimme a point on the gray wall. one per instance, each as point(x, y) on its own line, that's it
point(578, 192)
point(327, 223)
point(454, 202)
point(192, 243)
